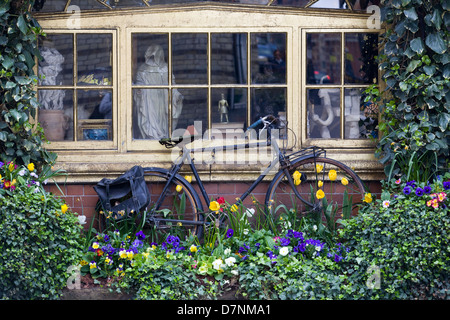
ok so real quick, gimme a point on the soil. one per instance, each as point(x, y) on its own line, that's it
point(103, 289)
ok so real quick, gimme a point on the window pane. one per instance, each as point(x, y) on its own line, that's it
point(56, 66)
point(150, 109)
point(270, 101)
point(361, 119)
point(229, 58)
point(323, 54)
point(189, 111)
point(323, 108)
point(94, 59)
point(360, 63)
point(229, 109)
point(150, 59)
point(57, 121)
point(189, 58)
point(94, 115)
point(330, 4)
point(268, 58)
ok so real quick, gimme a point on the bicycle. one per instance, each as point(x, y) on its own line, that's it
point(307, 182)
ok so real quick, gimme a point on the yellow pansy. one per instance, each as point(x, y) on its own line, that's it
point(368, 198)
point(179, 188)
point(188, 178)
point(30, 166)
point(320, 194)
point(64, 208)
point(344, 181)
point(193, 248)
point(320, 183)
point(319, 168)
point(332, 175)
point(297, 175)
point(214, 206)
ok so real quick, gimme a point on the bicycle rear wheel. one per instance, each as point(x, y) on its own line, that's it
point(328, 189)
point(180, 211)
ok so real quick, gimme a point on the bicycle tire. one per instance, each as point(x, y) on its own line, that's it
point(281, 200)
point(192, 211)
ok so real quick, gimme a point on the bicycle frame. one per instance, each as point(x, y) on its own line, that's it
point(281, 159)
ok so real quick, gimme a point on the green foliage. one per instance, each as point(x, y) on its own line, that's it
point(415, 61)
point(20, 140)
point(39, 238)
point(405, 234)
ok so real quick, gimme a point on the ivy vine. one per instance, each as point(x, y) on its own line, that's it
point(415, 62)
point(20, 139)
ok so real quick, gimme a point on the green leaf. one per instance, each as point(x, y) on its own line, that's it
point(411, 14)
point(417, 45)
point(8, 62)
point(436, 43)
point(413, 65)
point(22, 24)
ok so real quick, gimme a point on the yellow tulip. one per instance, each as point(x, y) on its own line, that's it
point(31, 166)
point(332, 175)
point(320, 183)
point(368, 198)
point(234, 208)
point(214, 206)
point(188, 178)
point(297, 175)
point(320, 194)
point(179, 188)
point(319, 168)
point(344, 181)
point(297, 181)
point(11, 167)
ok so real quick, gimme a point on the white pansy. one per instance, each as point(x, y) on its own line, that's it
point(250, 212)
point(227, 251)
point(217, 264)
point(284, 251)
point(81, 219)
point(230, 261)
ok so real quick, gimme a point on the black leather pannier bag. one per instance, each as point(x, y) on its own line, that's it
point(126, 193)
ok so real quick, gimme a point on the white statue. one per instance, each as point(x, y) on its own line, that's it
point(223, 109)
point(49, 68)
point(330, 110)
point(152, 104)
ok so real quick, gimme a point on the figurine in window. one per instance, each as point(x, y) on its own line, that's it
point(329, 112)
point(223, 109)
point(151, 105)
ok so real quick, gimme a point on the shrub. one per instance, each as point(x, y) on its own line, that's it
point(415, 105)
point(405, 236)
point(39, 236)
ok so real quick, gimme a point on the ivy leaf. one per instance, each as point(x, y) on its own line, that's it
point(22, 24)
point(443, 120)
point(8, 62)
point(413, 65)
point(411, 14)
point(446, 72)
point(436, 43)
point(417, 45)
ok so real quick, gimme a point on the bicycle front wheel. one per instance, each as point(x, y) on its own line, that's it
point(326, 189)
point(179, 212)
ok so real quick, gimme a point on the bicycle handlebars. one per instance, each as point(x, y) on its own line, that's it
point(265, 121)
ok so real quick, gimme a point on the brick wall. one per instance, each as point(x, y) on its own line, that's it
point(82, 198)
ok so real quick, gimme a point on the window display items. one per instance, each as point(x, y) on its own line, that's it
point(51, 113)
point(223, 109)
point(330, 111)
point(151, 105)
